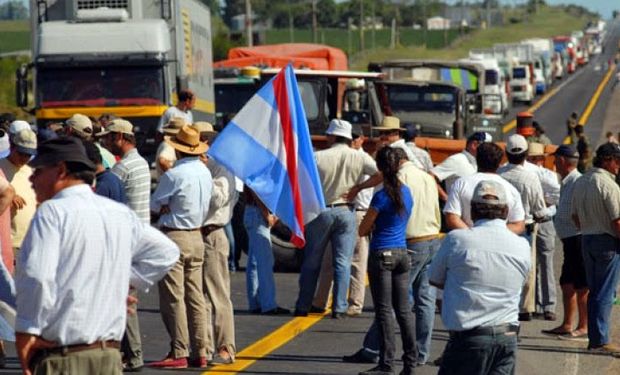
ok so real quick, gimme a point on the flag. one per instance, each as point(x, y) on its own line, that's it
point(267, 145)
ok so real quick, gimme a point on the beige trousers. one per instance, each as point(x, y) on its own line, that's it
point(357, 285)
point(181, 299)
point(92, 362)
point(217, 292)
point(528, 293)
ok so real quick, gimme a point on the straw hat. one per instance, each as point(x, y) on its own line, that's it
point(204, 127)
point(187, 140)
point(174, 125)
point(536, 149)
point(390, 123)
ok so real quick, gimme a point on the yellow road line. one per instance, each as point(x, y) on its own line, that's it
point(267, 344)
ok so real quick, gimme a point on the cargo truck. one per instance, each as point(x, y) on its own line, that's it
point(126, 57)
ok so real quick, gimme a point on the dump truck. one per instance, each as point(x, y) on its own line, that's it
point(129, 58)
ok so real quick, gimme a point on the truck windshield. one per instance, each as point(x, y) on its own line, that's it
point(518, 73)
point(230, 98)
point(491, 77)
point(405, 98)
point(100, 87)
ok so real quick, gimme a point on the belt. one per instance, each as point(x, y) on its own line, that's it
point(546, 219)
point(208, 229)
point(423, 238)
point(168, 229)
point(361, 209)
point(502, 329)
point(350, 205)
point(64, 350)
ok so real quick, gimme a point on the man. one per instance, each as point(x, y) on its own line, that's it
point(390, 134)
point(458, 206)
point(480, 308)
point(340, 168)
point(359, 261)
point(78, 258)
point(107, 184)
point(183, 109)
point(459, 165)
point(595, 209)
point(79, 126)
point(573, 276)
point(17, 171)
point(182, 202)
point(545, 236)
point(532, 197)
point(216, 278)
point(134, 172)
point(421, 155)
point(584, 148)
point(540, 135)
point(423, 242)
point(165, 156)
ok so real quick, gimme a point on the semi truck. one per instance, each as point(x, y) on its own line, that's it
point(129, 58)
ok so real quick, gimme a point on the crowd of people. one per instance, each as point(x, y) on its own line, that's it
point(78, 197)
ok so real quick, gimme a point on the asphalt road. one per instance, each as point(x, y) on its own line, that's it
point(315, 345)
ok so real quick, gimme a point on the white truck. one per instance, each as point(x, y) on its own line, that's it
point(125, 57)
point(543, 66)
point(522, 76)
point(495, 99)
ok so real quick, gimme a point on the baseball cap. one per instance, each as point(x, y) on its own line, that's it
point(608, 149)
point(25, 141)
point(489, 192)
point(516, 144)
point(567, 151)
point(81, 125)
point(339, 128)
point(536, 149)
point(118, 125)
point(480, 137)
point(18, 125)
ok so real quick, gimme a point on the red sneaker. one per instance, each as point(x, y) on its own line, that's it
point(170, 362)
point(199, 362)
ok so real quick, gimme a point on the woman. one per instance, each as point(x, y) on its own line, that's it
point(389, 262)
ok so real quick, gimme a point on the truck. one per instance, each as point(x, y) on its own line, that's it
point(522, 76)
point(129, 58)
point(543, 66)
point(494, 83)
point(565, 47)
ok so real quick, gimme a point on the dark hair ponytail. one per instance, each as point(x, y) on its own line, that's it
point(388, 162)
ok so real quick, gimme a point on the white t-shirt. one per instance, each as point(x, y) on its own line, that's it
point(456, 166)
point(167, 152)
point(461, 192)
point(172, 112)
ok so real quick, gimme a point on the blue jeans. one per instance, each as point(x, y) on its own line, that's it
point(602, 263)
point(339, 226)
point(260, 283)
point(480, 355)
point(423, 301)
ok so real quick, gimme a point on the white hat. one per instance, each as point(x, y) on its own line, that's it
point(81, 124)
point(25, 141)
point(118, 125)
point(18, 125)
point(339, 128)
point(516, 144)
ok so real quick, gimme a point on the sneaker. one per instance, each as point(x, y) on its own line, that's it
point(378, 370)
point(610, 349)
point(361, 356)
point(277, 311)
point(354, 312)
point(219, 360)
point(199, 362)
point(170, 362)
point(574, 336)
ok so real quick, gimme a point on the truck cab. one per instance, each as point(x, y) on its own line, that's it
point(522, 82)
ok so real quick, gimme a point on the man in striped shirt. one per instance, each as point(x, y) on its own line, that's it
point(134, 172)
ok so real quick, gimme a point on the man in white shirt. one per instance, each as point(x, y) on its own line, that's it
point(187, 101)
point(80, 254)
point(390, 134)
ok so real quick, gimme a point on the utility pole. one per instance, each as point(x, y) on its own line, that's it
point(315, 36)
point(248, 23)
point(361, 25)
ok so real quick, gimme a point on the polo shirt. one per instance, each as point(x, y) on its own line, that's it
point(454, 167)
point(596, 202)
point(135, 174)
point(425, 220)
point(340, 168)
point(390, 224)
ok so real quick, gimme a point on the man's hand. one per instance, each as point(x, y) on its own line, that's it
point(18, 202)
point(271, 220)
point(351, 194)
point(131, 304)
point(27, 345)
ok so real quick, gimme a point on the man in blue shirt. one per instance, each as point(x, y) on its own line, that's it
point(107, 184)
point(480, 309)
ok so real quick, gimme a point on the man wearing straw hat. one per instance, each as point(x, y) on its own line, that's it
point(182, 202)
point(165, 156)
point(390, 134)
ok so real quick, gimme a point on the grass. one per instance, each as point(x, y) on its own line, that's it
point(550, 21)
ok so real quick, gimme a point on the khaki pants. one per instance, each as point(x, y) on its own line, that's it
point(528, 294)
point(181, 299)
point(217, 292)
point(92, 362)
point(131, 345)
point(357, 285)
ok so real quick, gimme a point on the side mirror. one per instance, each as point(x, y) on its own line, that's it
point(21, 86)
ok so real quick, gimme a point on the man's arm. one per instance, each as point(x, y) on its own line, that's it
point(368, 222)
point(373, 181)
point(6, 197)
point(516, 227)
point(454, 221)
point(26, 346)
point(152, 257)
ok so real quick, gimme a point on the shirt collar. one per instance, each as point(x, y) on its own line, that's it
point(335, 145)
point(603, 171)
point(490, 223)
point(571, 174)
point(73, 190)
point(470, 158)
point(187, 159)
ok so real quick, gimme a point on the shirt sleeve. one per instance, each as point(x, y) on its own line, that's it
point(370, 166)
point(161, 196)
point(453, 204)
point(222, 187)
point(539, 209)
point(446, 169)
point(550, 186)
point(612, 201)
point(379, 201)
point(163, 120)
point(152, 256)
point(120, 171)
point(35, 281)
point(439, 265)
point(516, 212)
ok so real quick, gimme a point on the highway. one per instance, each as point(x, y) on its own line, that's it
point(315, 344)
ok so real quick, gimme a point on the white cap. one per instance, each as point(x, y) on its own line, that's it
point(516, 144)
point(18, 125)
point(489, 192)
point(339, 128)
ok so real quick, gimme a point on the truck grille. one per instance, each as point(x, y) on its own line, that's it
point(94, 4)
